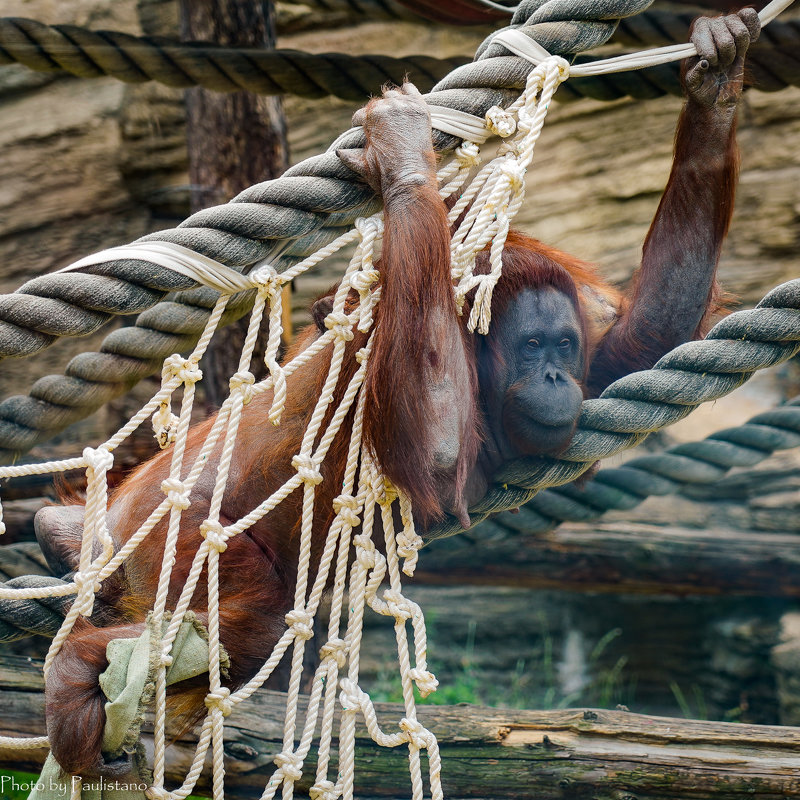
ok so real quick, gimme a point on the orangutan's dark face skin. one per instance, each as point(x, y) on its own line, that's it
point(537, 394)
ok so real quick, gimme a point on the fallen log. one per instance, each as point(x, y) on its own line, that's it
point(619, 557)
point(487, 752)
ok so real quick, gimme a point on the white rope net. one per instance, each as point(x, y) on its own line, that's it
point(350, 562)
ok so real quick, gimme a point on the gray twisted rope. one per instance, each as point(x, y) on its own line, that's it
point(138, 59)
point(41, 617)
point(310, 205)
point(773, 62)
point(643, 402)
point(22, 566)
point(675, 469)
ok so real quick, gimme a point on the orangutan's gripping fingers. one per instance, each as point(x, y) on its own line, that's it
point(741, 35)
point(703, 40)
point(751, 20)
point(723, 41)
point(714, 77)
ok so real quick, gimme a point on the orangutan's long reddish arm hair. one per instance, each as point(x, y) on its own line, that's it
point(415, 316)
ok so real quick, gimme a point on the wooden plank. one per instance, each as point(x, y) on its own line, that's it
point(573, 753)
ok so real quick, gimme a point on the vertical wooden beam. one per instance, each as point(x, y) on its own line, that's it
point(234, 140)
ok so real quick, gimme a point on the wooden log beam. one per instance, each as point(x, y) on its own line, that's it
point(619, 557)
point(488, 752)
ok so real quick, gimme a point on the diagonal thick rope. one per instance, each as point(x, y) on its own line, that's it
point(773, 62)
point(278, 222)
point(311, 203)
point(495, 193)
point(643, 402)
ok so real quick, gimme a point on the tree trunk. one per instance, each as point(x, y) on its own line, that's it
point(234, 140)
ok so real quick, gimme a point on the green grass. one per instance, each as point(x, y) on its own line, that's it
point(12, 783)
point(533, 684)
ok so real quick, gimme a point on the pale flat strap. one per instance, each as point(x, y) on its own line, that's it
point(460, 123)
point(176, 258)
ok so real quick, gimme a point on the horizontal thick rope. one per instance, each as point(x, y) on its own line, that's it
point(773, 62)
point(622, 488)
point(138, 59)
point(646, 401)
point(675, 469)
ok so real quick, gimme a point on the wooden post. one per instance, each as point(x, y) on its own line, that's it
point(568, 754)
point(234, 140)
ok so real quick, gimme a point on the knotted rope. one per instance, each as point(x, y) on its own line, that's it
point(314, 203)
point(642, 402)
point(365, 492)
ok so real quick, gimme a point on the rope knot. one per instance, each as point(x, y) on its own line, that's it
point(86, 582)
point(399, 606)
point(351, 695)
point(166, 660)
point(468, 154)
point(184, 369)
point(267, 280)
point(514, 172)
point(418, 735)
point(220, 700)
point(307, 469)
point(425, 680)
point(365, 551)
point(300, 623)
point(362, 355)
point(334, 649)
point(500, 122)
point(369, 227)
point(214, 533)
point(409, 543)
point(165, 425)
point(363, 280)
point(290, 764)
point(176, 493)
point(346, 507)
point(100, 459)
point(339, 323)
point(156, 793)
point(88, 587)
point(324, 790)
point(243, 382)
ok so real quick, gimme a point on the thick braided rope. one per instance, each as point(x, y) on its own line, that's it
point(313, 203)
point(773, 61)
point(676, 469)
point(363, 488)
point(138, 59)
point(643, 402)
